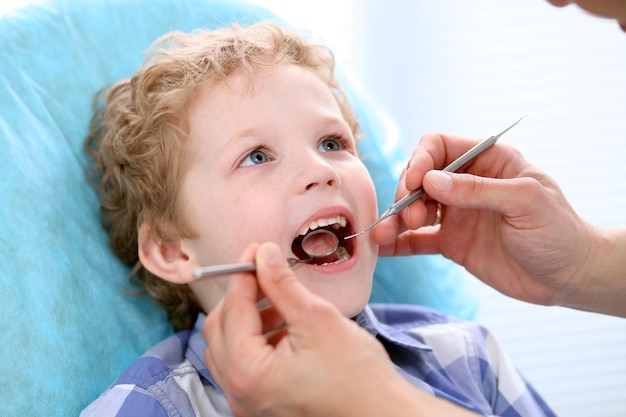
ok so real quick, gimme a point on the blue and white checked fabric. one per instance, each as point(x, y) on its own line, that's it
point(456, 360)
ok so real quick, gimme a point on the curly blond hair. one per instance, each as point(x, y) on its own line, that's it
point(137, 135)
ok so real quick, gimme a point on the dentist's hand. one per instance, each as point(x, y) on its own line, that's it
point(509, 224)
point(319, 364)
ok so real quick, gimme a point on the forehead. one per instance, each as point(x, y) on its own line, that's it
point(245, 84)
point(256, 92)
point(285, 96)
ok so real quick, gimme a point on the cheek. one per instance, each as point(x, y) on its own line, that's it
point(237, 220)
point(367, 192)
point(214, 225)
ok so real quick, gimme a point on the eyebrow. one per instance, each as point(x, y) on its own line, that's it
point(253, 131)
point(331, 121)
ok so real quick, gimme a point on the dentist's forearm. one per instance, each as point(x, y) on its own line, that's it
point(603, 286)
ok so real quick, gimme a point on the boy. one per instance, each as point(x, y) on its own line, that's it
point(236, 136)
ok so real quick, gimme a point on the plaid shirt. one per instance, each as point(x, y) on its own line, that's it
point(456, 360)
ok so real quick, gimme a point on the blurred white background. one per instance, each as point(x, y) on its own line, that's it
point(472, 67)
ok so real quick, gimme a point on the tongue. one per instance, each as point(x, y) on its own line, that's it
point(319, 244)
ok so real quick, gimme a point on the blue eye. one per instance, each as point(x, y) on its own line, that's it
point(256, 157)
point(331, 145)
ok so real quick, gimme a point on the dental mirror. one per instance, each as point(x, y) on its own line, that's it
point(317, 244)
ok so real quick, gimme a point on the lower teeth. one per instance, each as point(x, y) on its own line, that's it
point(341, 255)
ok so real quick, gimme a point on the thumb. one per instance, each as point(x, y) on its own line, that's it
point(469, 191)
point(280, 285)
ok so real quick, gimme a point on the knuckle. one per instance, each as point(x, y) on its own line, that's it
point(477, 184)
point(533, 189)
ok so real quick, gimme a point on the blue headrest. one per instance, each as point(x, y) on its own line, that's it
point(69, 327)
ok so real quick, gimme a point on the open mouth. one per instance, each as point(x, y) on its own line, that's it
point(340, 227)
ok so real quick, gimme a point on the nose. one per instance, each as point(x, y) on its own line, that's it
point(316, 171)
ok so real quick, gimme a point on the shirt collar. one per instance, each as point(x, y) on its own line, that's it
point(369, 320)
point(195, 352)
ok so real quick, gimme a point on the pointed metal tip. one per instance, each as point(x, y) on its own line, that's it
point(523, 117)
point(354, 235)
point(359, 233)
point(513, 125)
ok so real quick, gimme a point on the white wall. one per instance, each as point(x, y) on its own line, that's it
point(471, 67)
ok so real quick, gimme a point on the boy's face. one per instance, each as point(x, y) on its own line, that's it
point(269, 162)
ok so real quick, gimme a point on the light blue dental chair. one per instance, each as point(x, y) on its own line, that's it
point(68, 326)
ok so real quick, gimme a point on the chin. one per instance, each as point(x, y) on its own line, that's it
point(347, 286)
point(352, 303)
point(351, 313)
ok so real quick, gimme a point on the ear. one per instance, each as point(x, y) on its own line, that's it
point(167, 259)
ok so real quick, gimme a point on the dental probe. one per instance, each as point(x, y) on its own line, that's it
point(454, 166)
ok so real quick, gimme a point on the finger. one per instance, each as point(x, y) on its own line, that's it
point(281, 286)
point(471, 191)
point(237, 306)
point(271, 319)
point(429, 154)
point(434, 151)
point(413, 242)
point(419, 214)
point(240, 309)
point(386, 231)
point(411, 217)
point(389, 228)
point(275, 336)
point(434, 213)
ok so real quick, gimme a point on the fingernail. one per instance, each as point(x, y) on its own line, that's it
point(441, 180)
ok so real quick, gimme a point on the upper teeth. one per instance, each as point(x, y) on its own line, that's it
point(335, 222)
